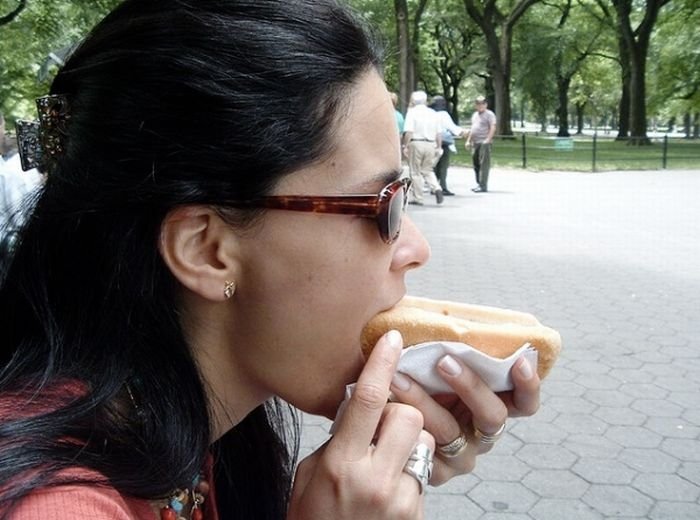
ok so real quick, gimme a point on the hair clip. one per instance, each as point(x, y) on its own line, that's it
point(41, 142)
point(29, 148)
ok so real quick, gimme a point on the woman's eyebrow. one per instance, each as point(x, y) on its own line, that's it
point(380, 179)
point(393, 175)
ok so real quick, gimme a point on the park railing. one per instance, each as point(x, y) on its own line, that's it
point(594, 153)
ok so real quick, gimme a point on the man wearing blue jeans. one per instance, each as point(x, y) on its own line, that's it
point(480, 138)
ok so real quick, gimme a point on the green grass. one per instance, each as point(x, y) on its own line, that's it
point(541, 154)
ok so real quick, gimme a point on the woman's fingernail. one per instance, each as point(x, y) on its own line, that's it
point(450, 366)
point(400, 382)
point(525, 369)
point(393, 337)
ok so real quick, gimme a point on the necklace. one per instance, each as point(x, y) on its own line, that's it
point(182, 504)
point(186, 504)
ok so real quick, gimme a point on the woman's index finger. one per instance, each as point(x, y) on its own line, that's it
point(362, 414)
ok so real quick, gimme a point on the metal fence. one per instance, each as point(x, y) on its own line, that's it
point(593, 153)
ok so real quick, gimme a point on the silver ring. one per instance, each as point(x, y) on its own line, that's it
point(454, 448)
point(420, 465)
point(489, 438)
point(421, 452)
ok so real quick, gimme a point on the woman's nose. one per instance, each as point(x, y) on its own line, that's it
point(412, 249)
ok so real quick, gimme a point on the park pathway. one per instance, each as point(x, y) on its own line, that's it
point(612, 260)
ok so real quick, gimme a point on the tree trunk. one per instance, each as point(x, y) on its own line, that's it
point(414, 41)
point(691, 125)
point(453, 101)
point(579, 118)
point(5, 19)
point(489, 90)
point(671, 124)
point(543, 122)
point(497, 83)
point(501, 84)
point(638, 106)
point(501, 103)
point(623, 114)
point(636, 44)
point(563, 108)
point(499, 47)
point(403, 37)
point(623, 130)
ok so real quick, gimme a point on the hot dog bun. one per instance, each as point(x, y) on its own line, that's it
point(496, 332)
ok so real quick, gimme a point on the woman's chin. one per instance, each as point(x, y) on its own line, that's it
point(327, 408)
point(328, 401)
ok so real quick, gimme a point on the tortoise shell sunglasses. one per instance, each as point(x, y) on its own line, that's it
point(386, 207)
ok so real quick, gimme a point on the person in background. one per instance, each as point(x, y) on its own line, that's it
point(16, 185)
point(449, 132)
point(8, 144)
point(421, 144)
point(16, 189)
point(223, 212)
point(399, 125)
point(397, 112)
point(480, 138)
point(3, 137)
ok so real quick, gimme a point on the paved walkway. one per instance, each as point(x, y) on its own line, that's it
point(612, 260)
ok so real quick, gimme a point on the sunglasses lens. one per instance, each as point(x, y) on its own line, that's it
point(397, 203)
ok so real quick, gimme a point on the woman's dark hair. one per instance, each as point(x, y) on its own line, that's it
point(171, 103)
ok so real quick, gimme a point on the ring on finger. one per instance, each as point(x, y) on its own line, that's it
point(489, 438)
point(420, 465)
point(455, 447)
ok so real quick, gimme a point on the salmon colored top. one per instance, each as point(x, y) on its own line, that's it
point(83, 501)
point(93, 502)
point(80, 502)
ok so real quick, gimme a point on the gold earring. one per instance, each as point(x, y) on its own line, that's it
point(229, 289)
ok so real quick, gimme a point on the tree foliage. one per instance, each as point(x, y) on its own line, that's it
point(558, 57)
point(554, 41)
point(497, 21)
point(31, 32)
point(12, 12)
point(675, 58)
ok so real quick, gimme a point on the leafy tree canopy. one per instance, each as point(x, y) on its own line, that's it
point(33, 42)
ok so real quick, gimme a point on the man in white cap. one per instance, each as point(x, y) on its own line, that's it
point(480, 139)
point(421, 142)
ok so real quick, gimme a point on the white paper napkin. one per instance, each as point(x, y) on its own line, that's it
point(419, 362)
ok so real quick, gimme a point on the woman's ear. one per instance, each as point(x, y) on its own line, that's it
point(201, 251)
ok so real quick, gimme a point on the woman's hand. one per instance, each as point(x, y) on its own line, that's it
point(359, 473)
point(472, 410)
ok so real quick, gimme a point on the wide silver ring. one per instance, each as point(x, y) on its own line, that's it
point(489, 438)
point(454, 448)
point(420, 465)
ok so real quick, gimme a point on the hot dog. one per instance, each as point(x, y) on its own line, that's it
point(494, 331)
